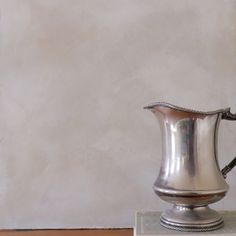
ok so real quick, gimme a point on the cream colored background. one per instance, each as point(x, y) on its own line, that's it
point(77, 149)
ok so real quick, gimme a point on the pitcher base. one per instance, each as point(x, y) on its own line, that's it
point(191, 219)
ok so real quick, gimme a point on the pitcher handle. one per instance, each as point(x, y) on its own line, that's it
point(228, 115)
point(228, 167)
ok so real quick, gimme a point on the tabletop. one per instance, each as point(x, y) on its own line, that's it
point(74, 232)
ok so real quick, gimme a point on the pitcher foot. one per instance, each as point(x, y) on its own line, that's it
point(191, 219)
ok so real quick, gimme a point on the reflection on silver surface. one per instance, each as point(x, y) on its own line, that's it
point(189, 175)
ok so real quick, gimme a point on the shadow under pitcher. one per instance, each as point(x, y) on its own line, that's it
point(189, 176)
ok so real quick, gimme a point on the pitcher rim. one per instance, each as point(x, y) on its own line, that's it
point(178, 108)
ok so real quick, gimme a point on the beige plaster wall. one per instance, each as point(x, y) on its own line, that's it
point(76, 147)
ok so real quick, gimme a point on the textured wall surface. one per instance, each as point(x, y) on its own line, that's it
point(76, 147)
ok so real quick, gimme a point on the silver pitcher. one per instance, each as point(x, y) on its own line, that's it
point(189, 176)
